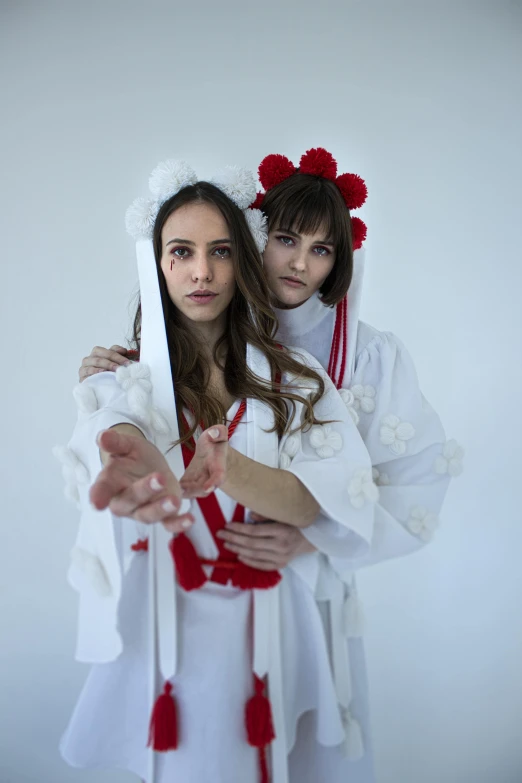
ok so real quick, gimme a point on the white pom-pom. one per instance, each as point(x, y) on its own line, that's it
point(353, 746)
point(353, 616)
point(138, 398)
point(93, 569)
point(291, 446)
point(169, 177)
point(325, 440)
point(361, 488)
point(159, 422)
point(284, 461)
point(239, 185)
point(85, 397)
point(72, 494)
point(258, 226)
point(127, 376)
point(140, 218)
point(349, 400)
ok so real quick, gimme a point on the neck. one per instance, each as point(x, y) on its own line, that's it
point(282, 306)
point(207, 333)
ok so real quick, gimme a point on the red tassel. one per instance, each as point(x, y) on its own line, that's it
point(163, 727)
point(141, 545)
point(245, 577)
point(258, 717)
point(188, 568)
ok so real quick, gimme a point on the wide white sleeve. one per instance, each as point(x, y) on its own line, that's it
point(412, 460)
point(332, 462)
point(97, 562)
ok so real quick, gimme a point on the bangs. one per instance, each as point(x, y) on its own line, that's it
point(310, 208)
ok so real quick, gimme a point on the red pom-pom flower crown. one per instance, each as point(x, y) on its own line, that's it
point(274, 169)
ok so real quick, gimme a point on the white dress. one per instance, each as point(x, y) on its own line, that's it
point(412, 463)
point(216, 642)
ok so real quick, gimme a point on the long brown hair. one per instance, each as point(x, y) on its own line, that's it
point(250, 319)
point(305, 204)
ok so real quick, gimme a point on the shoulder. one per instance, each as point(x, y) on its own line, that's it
point(371, 339)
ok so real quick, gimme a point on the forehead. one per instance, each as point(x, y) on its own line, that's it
point(313, 234)
point(197, 221)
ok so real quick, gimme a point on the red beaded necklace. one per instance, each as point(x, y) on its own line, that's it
point(339, 343)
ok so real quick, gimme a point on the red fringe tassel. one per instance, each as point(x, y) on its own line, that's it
point(186, 561)
point(163, 727)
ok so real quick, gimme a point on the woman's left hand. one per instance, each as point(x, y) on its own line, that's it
point(208, 468)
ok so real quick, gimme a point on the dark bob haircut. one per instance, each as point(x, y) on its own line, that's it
point(306, 204)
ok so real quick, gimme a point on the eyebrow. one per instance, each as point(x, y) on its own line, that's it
point(298, 236)
point(189, 242)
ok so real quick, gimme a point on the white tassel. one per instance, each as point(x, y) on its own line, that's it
point(138, 398)
point(93, 568)
point(353, 616)
point(353, 745)
point(85, 398)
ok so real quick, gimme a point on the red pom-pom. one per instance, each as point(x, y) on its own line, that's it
point(256, 204)
point(353, 190)
point(319, 162)
point(275, 169)
point(163, 727)
point(359, 231)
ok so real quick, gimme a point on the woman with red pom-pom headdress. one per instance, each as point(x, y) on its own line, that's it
point(313, 263)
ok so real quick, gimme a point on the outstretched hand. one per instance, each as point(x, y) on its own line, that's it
point(208, 468)
point(137, 482)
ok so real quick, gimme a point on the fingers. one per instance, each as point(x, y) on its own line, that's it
point(262, 565)
point(242, 542)
point(180, 524)
point(103, 359)
point(115, 443)
point(257, 517)
point(146, 500)
point(259, 530)
point(218, 433)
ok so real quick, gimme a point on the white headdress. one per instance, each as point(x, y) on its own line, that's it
point(171, 176)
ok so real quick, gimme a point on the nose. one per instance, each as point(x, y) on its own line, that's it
point(298, 259)
point(202, 268)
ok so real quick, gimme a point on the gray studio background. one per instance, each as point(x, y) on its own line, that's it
point(420, 98)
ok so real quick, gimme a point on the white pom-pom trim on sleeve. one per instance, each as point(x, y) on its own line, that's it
point(134, 378)
point(361, 488)
point(450, 461)
point(422, 523)
point(85, 398)
point(92, 567)
point(394, 434)
point(349, 400)
point(74, 472)
point(325, 440)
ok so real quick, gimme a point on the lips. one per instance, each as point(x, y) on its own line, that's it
point(202, 297)
point(293, 282)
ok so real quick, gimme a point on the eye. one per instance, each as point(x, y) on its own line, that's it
point(286, 241)
point(322, 251)
point(222, 252)
point(181, 252)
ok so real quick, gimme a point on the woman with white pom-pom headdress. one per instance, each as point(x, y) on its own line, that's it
point(314, 263)
point(203, 664)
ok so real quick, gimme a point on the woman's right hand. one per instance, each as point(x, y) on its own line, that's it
point(136, 482)
point(103, 359)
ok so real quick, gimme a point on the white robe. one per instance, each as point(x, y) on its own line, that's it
point(214, 673)
point(412, 463)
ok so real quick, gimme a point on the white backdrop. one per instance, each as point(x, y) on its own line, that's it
point(423, 100)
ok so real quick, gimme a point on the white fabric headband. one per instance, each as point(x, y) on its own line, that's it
point(171, 176)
